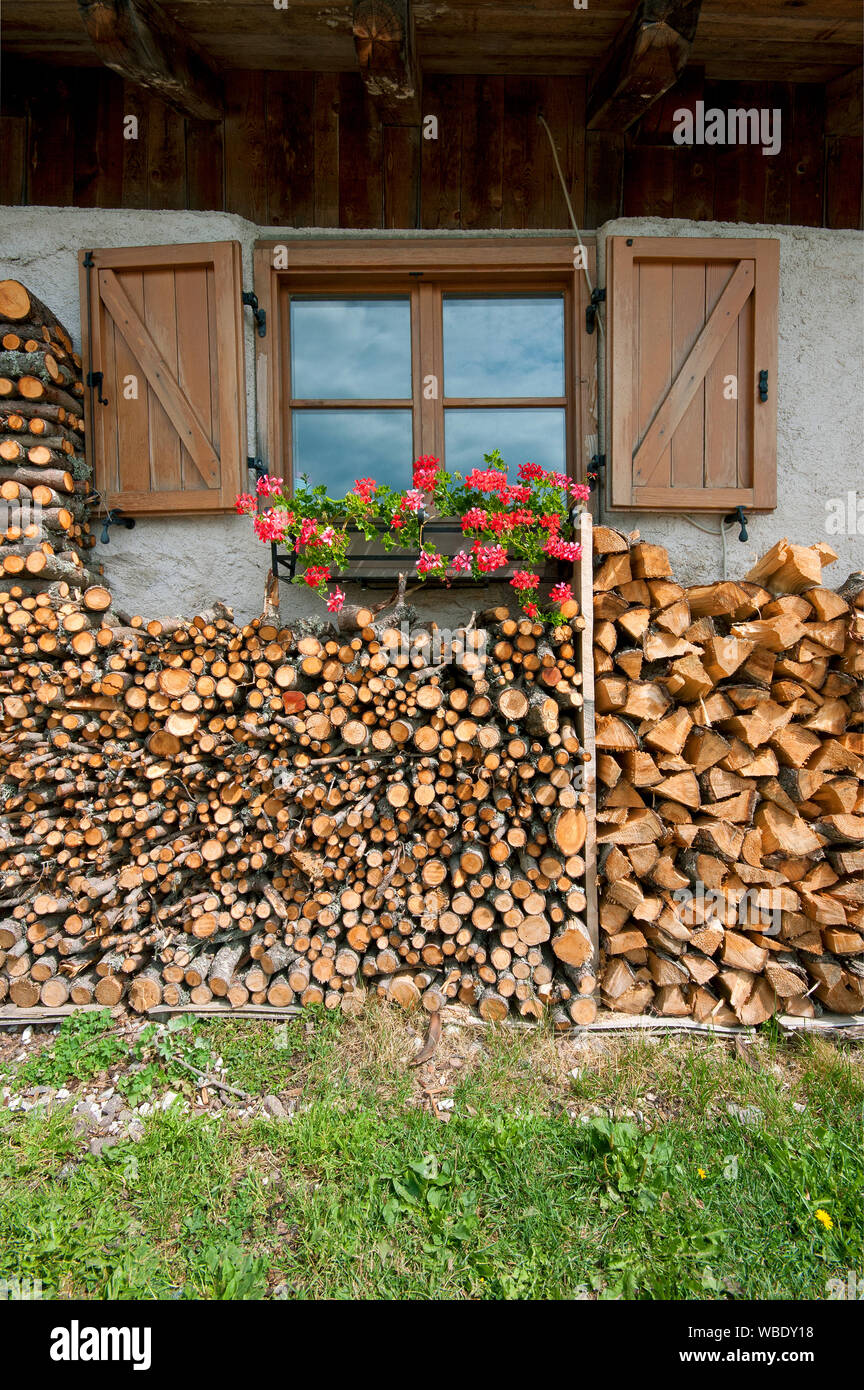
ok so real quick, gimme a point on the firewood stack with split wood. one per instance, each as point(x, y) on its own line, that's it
point(193, 811)
point(730, 757)
point(44, 489)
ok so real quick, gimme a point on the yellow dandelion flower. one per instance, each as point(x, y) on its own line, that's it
point(825, 1219)
point(701, 1172)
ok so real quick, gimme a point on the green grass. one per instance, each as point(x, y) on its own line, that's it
point(530, 1190)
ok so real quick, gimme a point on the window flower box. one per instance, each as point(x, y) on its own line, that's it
point(446, 529)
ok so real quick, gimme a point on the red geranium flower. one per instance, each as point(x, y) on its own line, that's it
point(268, 485)
point(272, 525)
point(524, 579)
point(425, 472)
point(489, 557)
point(530, 472)
point(316, 575)
point(429, 562)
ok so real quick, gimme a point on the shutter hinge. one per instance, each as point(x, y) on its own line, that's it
point(250, 300)
point(95, 379)
point(763, 386)
point(597, 297)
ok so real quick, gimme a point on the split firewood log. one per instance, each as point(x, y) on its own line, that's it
point(730, 819)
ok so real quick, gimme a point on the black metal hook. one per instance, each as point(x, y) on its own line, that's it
point(115, 517)
point(595, 470)
point(250, 299)
point(94, 380)
point(591, 311)
point(740, 516)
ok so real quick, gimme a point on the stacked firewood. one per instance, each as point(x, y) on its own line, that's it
point(193, 811)
point(730, 758)
point(44, 492)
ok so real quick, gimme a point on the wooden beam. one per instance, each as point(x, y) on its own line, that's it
point(843, 104)
point(646, 59)
point(138, 40)
point(384, 42)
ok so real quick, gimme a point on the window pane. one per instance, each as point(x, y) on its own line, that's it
point(522, 436)
point(504, 345)
point(338, 446)
point(351, 349)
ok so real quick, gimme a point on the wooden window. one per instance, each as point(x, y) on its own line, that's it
point(692, 326)
point(482, 342)
point(163, 324)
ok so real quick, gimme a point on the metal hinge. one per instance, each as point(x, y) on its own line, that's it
point(763, 386)
point(250, 299)
point(95, 379)
point(597, 297)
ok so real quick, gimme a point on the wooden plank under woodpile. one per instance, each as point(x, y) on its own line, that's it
point(195, 811)
point(730, 762)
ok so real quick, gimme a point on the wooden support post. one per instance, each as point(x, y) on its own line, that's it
point(138, 40)
point(647, 58)
point(384, 41)
point(586, 731)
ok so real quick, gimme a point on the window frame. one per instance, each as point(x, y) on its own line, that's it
point(427, 269)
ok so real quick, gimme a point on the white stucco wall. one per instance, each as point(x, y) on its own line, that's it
point(168, 566)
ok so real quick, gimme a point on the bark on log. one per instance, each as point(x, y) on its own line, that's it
point(397, 826)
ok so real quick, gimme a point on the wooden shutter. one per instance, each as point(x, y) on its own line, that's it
point(692, 322)
point(170, 317)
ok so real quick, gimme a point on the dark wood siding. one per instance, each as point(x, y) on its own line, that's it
point(307, 149)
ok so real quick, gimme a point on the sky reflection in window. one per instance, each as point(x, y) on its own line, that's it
point(504, 345)
point(351, 349)
point(338, 446)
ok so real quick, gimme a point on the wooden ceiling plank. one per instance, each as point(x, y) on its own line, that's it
point(138, 40)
